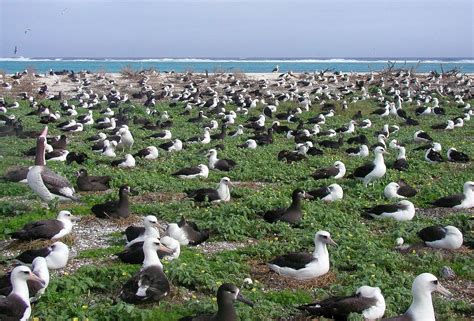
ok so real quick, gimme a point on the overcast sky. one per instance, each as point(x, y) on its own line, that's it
point(237, 28)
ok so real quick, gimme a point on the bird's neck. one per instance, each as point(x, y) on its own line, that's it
point(213, 159)
point(123, 200)
point(151, 258)
point(40, 157)
point(296, 203)
point(43, 273)
point(67, 223)
point(378, 159)
point(469, 193)
point(225, 311)
point(422, 306)
point(401, 153)
point(152, 231)
point(320, 250)
point(20, 288)
point(223, 191)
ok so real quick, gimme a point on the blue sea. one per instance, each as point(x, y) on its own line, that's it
point(42, 65)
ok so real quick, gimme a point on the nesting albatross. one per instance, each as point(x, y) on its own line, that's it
point(46, 229)
point(304, 266)
point(448, 237)
point(150, 283)
point(367, 301)
point(222, 193)
point(226, 295)
point(459, 201)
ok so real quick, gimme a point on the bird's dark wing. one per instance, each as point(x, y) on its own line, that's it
point(187, 171)
point(449, 201)
point(363, 170)
point(459, 156)
point(12, 308)
point(274, 215)
point(385, 208)
point(54, 182)
point(223, 165)
point(432, 233)
point(401, 164)
point(99, 179)
point(204, 194)
point(293, 260)
point(325, 172)
point(41, 229)
point(132, 255)
point(117, 162)
point(320, 192)
point(30, 255)
point(406, 190)
point(132, 232)
point(142, 153)
point(230, 162)
point(194, 234)
point(166, 146)
point(105, 210)
point(339, 307)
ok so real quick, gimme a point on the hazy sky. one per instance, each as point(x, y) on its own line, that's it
point(237, 28)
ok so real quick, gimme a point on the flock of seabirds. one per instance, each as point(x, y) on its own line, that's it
point(208, 102)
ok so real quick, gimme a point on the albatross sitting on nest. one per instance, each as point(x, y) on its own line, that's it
point(221, 194)
point(304, 266)
point(46, 229)
point(150, 284)
point(367, 301)
point(227, 294)
point(459, 201)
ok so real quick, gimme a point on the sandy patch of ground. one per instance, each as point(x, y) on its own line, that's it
point(215, 247)
point(161, 197)
point(442, 211)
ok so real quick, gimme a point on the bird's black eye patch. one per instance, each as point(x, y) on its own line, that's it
point(435, 282)
point(26, 272)
point(324, 236)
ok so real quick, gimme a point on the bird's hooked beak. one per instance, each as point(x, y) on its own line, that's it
point(165, 249)
point(34, 277)
point(243, 299)
point(160, 227)
point(133, 192)
point(75, 219)
point(441, 289)
point(331, 241)
point(308, 196)
point(385, 152)
point(77, 174)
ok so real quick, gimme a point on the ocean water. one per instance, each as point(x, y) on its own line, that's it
point(42, 65)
